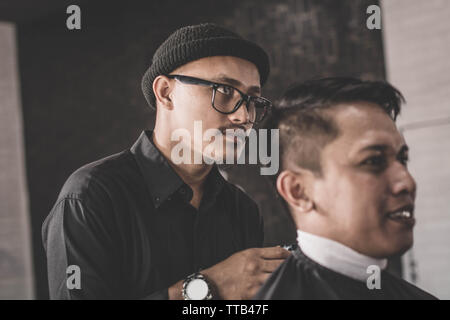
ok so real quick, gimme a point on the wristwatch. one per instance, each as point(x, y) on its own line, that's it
point(196, 287)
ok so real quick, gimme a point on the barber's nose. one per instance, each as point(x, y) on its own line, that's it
point(403, 182)
point(241, 115)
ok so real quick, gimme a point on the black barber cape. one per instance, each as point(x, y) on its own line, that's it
point(300, 278)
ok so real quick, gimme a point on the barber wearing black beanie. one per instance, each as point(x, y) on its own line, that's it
point(141, 225)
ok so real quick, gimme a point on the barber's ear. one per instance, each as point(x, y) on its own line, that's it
point(291, 186)
point(162, 88)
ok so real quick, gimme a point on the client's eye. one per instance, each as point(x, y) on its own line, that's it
point(404, 159)
point(377, 162)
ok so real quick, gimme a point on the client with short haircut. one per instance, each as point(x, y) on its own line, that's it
point(345, 181)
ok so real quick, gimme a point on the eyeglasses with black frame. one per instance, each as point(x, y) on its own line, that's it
point(227, 99)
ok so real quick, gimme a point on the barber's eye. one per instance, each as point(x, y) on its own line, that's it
point(225, 90)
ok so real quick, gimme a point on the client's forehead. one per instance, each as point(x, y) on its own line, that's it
point(361, 124)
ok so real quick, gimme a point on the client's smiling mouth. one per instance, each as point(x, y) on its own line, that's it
point(404, 214)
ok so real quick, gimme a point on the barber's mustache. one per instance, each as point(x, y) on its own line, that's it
point(233, 127)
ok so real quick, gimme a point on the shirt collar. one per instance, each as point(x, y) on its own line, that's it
point(337, 257)
point(162, 181)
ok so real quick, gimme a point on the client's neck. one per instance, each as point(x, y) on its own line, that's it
point(337, 257)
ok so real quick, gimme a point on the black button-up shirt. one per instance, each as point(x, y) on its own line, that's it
point(127, 223)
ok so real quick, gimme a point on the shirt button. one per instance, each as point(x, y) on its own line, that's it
point(157, 199)
point(182, 191)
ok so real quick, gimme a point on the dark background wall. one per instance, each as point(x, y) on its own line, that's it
point(81, 89)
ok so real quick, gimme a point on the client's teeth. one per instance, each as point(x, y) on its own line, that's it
point(401, 214)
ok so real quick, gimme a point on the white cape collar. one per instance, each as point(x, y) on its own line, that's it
point(337, 257)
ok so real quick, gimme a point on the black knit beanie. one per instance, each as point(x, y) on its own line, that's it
point(199, 41)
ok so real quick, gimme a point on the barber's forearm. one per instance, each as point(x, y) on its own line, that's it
point(214, 278)
point(175, 291)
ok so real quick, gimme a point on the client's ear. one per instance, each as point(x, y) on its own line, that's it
point(291, 186)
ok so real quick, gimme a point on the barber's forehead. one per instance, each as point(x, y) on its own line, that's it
point(223, 64)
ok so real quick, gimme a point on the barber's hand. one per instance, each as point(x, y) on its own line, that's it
point(242, 274)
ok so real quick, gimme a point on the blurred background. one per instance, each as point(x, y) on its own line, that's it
point(69, 97)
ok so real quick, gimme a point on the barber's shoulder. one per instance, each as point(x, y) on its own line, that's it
point(88, 195)
point(97, 178)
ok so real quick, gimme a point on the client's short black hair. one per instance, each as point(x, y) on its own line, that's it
point(304, 126)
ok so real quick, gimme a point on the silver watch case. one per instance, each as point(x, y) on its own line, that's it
point(201, 284)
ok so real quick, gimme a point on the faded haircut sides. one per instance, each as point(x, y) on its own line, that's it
point(305, 125)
